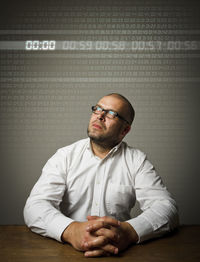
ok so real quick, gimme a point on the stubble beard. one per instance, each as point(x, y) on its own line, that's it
point(95, 138)
point(104, 141)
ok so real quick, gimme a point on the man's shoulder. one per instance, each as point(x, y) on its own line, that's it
point(78, 145)
point(135, 158)
point(69, 152)
point(133, 152)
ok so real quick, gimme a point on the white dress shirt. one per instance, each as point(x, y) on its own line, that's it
point(89, 185)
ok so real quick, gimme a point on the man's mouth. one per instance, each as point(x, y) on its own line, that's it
point(97, 126)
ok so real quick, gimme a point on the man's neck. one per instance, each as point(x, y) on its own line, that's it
point(100, 150)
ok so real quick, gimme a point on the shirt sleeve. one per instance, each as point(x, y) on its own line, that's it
point(41, 212)
point(160, 214)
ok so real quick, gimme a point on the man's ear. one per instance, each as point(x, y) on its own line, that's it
point(126, 130)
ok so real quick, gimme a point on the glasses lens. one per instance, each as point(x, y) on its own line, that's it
point(96, 109)
point(111, 114)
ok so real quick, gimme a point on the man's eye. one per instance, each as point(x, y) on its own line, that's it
point(111, 113)
point(98, 109)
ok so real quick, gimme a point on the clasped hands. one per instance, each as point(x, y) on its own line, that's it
point(100, 236)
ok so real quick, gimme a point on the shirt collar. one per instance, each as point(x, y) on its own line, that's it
point(111, 152)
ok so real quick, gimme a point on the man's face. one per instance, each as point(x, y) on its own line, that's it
point(106, 131)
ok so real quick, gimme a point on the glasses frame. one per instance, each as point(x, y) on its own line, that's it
point(115, 114)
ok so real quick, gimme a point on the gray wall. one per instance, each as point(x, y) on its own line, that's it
point(145, 50)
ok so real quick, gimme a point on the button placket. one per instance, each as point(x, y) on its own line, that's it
point(96, 204)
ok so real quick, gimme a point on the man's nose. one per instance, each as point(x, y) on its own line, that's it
point(102, 115)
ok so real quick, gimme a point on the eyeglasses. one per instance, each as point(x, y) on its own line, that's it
point(108, 113)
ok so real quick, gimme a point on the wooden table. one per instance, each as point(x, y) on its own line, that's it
point(19, 244)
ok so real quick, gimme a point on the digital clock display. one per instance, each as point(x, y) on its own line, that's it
point(40, 45)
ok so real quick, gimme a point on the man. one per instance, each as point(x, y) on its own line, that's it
point(100, 178)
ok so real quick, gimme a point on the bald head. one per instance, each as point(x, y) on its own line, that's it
point(128, 108)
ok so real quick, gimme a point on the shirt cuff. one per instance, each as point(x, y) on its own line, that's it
point(56, 227)
point(142, 227)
